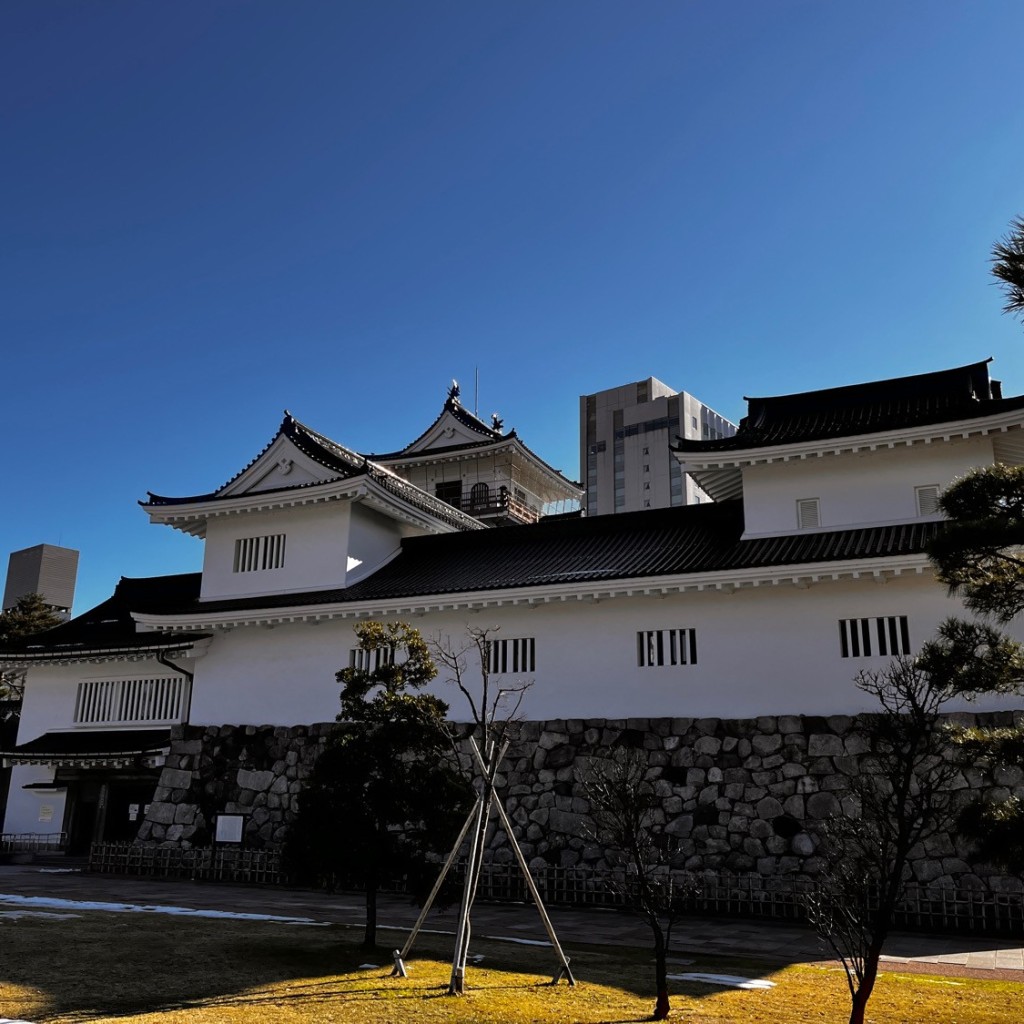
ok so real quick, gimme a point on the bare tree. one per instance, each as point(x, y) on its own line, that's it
point(493, 710)
point(622, 804)
point(902, 797)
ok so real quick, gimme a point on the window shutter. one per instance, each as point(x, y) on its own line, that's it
point(927, 500)
point(808, 514)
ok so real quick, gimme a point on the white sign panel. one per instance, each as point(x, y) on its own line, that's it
point(229, 828)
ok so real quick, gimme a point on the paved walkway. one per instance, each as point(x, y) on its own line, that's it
point(719, 936)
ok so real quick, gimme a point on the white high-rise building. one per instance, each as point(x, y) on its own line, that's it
point(626, 433)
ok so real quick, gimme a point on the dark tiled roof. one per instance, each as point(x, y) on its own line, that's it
point(464, 416)
point(98, 743)
point(896, 404)
point(651, 543)
point(341, 462)
point(110, 627)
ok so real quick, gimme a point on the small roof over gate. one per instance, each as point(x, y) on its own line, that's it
point(114, 748)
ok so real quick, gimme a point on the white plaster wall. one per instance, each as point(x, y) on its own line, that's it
point(316, 548)
point(373, 538)
point(25, 806)
point(853, 490)
point(49, 706)
point(763, 651)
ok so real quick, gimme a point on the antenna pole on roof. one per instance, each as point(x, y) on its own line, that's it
point(476, 391)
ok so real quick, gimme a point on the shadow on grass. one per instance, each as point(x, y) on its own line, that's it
point(110, 965)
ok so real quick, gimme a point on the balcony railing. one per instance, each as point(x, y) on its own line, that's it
point(499, 503)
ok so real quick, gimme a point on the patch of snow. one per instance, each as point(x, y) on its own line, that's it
point(17, 915)
point(728, 980)
point(54, 903)
point(521, 942)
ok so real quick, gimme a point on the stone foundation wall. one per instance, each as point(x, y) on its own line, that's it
point(735, 795)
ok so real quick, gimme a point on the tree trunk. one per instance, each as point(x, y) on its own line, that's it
point(661, 1007)
point(866, 987)
point(370, 931)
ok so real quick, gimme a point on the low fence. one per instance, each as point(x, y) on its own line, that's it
point(32, 842)
point(924, 907)
point(216, 864)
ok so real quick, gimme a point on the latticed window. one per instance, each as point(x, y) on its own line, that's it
point(927, 500)
point(808, 513)
point(666, 647)
point(479, 496)
point(253, 554)
point(123, 701)
point(512, 655)
point(373, 659)
point(881, 636)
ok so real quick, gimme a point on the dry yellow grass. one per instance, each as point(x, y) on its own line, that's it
point(141, 968)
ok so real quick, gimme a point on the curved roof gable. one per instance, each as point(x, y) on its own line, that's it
point(455, 427)
point(296, 456)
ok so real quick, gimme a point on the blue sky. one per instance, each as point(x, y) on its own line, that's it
point(213, 211)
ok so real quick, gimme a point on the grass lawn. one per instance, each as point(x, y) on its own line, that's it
point(149, 967)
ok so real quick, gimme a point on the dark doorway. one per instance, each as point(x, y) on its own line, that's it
point(126, 809)
point(83, 809)
point(104, 806)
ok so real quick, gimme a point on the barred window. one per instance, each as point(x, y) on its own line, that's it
point(253, 554)
point(927, 500)
point(370, 660)
point(512, 655)
point(666, 647)
point(883, 636)
point(129, 701)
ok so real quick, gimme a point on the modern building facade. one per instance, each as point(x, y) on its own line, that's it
point(626, 438)
point(45, 569)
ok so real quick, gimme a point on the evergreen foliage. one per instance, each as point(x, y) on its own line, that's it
point(29, 615)
point(979, 558)
point(386, 794)
point(1008, 267)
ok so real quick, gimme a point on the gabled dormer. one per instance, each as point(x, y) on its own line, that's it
point(305, 514)
point(863, 455)
point(482, 470)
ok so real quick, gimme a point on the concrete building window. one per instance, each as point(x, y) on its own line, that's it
point(512, 655)
point(881, 636)
point(808, 513)
point(253, 554)
point(655, 647)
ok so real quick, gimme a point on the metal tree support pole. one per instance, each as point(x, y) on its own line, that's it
point(400, 954)
point(457, 982)
point(563, 961)
point(480, 814)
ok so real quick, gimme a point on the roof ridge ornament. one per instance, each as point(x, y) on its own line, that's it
point(454, 391)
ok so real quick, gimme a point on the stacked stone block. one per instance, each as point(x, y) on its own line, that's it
point(734, 795)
